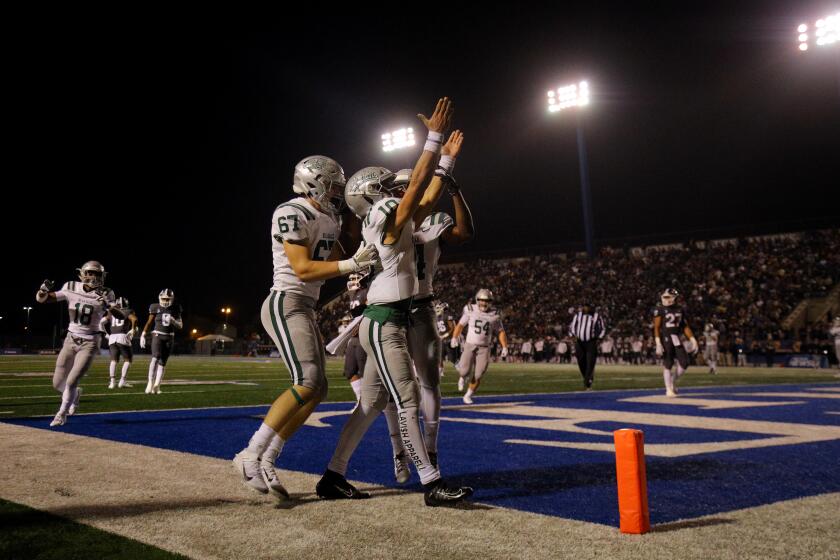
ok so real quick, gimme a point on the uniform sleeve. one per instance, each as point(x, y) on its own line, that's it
point(465, 318)
point(292, 223)
point(153, 309)
point(61, 295)
point(656, 311)
point(433, 227)
point(499, 326)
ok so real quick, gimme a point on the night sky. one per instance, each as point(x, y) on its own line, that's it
point(162, 152)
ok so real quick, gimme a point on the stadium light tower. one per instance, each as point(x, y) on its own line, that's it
point(576, 96)
point(396, 144)
point(824, 32)
point(27, 309)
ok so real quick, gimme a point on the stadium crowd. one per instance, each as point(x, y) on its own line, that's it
point(746, 287)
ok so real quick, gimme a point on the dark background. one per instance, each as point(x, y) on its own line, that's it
point(162, 150)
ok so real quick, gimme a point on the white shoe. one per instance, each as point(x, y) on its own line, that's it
point(111, 384)
point(460, 383)
point(156, 389)
point(123, 383)
point(75, 404)
point(467, 399)
point(148, 388)
point(670, 393)
point(59, 420)
point(402, 473)
point(269, 475)
point(248, 466)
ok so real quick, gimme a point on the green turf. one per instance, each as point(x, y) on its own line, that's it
point(266, 378)
point(31, 534)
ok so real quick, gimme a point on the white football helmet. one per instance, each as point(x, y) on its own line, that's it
point(366, 187)
point(709, 327)
point(92, 274)
point(669, 296)
point(321, 179)
point(165, 297)
point(401, 180)
point(484, 298)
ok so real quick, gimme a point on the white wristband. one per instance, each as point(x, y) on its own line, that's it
point(447, 163)
point(433, 142)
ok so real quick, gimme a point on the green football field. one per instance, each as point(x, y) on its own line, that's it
point(196, 382)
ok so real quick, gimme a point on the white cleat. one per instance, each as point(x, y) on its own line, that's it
point(123, 383)
point(148, 388)
point(59, 420)
point(670, 393)
point(75, 404)
point(247, 465)
point(272, 481)
point(111, 384)
point(467, 399)
point(460, 384)
point(156, 389)
point(402, 473)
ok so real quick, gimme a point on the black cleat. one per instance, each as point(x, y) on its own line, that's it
point(333, 486)
point(440, 494)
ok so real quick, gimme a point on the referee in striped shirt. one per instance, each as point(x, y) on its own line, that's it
point(587, 328)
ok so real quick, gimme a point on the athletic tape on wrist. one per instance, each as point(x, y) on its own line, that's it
point(433, 142)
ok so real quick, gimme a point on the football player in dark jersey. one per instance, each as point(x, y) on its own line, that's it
point(120, 333)
point(165, 317)
point(668, 325)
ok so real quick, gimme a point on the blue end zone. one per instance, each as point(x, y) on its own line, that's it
point(569, 483)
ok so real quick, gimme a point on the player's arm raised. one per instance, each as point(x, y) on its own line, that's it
point(423, 170)
point(45, 293)
point(443, 177)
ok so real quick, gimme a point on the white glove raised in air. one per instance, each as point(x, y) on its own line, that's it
point(504, 352)
point(143, 340)
point(366, 256)
point(659, 349)
point(454, 342)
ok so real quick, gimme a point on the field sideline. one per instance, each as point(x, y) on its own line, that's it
point(112, 486)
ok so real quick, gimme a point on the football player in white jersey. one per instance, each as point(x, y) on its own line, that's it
point(481, 322)
point(424, 343)
point(711, 336)
point(88, 300)
point(120, 333)
point(306, 248)
point(390, 218)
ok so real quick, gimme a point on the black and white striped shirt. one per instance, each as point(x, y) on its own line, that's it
point(587, 326)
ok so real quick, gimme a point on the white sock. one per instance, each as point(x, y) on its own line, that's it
point(125, 367)
point(393, 428)
point(712, 364)
point(67, 398)
point(273, 450)
point(152, 368)
point(159, 378)
point(112, 368)
point(261, 439)
point(357, 388)
point(669, 382)
point(469, 392)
